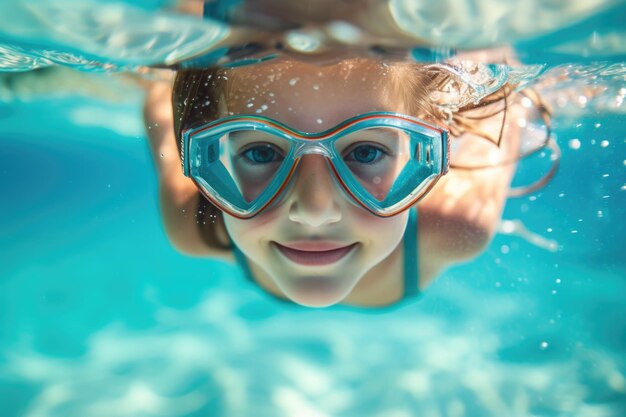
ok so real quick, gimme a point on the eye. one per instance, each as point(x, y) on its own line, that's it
point(365, 154)
point(262, 154)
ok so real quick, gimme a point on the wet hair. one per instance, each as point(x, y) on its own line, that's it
point(198, 97)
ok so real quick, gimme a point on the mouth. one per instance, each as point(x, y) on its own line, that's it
point(315, 254)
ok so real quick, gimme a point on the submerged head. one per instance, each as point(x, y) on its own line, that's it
point(315, 242)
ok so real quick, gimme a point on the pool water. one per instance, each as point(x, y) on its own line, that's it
point(100, 316)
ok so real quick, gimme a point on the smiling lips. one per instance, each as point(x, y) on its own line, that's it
point(312, 253)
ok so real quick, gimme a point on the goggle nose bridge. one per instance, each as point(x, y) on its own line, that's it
point(311, 148)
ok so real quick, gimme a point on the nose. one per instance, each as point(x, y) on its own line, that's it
point(314, 199)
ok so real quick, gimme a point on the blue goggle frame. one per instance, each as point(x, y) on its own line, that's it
point(430, 143)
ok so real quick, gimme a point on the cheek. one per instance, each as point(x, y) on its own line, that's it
point(248, 233)
point(380, 232)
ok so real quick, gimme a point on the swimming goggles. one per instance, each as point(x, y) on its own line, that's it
point(385, 162)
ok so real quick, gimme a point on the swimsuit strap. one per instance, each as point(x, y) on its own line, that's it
point(411, 271)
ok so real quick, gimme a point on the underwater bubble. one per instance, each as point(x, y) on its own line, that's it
point(604, 143)
point(319, 121)
point(293, 81)
point(574, 144)
point(303, 42)
point(544, 345)
point(344, 32)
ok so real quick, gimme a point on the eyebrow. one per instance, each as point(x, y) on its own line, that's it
point(242, 134)
point(379, 132)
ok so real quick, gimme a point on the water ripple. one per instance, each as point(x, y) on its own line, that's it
point(98, 36)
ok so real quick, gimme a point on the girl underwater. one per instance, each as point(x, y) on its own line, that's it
point(341, 183)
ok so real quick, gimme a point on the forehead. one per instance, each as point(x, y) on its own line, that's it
point(310, 97)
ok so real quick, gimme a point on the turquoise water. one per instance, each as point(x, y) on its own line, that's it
point(100, 316)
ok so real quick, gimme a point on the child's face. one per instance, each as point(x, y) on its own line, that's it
point(314, 214)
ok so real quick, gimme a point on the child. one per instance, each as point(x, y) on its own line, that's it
point(315, 241)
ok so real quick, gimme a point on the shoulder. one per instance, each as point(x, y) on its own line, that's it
point(459, 217)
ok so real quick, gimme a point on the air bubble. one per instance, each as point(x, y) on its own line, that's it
point(574, 144)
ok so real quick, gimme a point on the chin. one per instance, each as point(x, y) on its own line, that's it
point(317, 291)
